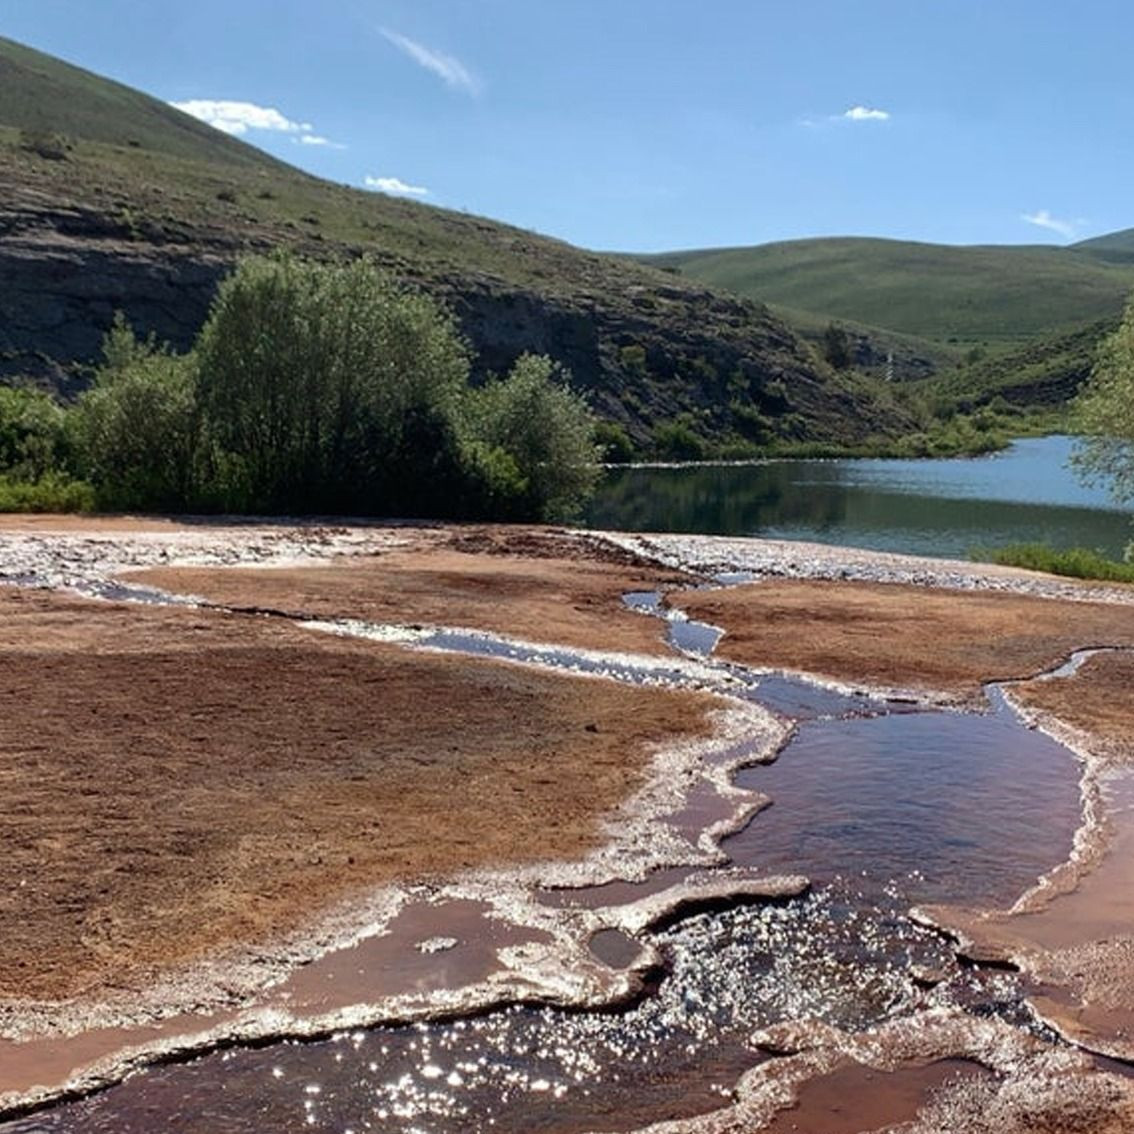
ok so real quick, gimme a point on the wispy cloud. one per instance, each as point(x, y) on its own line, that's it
point(446, 67)
point(396, 186)
point(865, 114)
point(1043, 219)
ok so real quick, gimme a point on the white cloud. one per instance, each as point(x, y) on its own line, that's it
point(396, 186)
point(1043, 219)
point(240, 117)
point(317, 140)
point(866, 114)
point(449, 69)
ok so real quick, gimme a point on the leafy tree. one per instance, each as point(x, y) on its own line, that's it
point(538, 436)
point(135, 430)
point(1105, 414)
point(330, 387)
point(32, 439)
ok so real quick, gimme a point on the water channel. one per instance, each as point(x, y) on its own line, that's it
point(950, 508)
point(882, 804)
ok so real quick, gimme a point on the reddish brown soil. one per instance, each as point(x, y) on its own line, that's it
point(853, 1099)
point(172, 781)
point(1099, 699)
point(42, 522)
point(545, 587)
point(903, 636)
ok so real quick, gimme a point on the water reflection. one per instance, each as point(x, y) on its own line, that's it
point(829, 956)
point(931, 507)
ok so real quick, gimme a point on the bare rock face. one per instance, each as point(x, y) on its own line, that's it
point(59, 293)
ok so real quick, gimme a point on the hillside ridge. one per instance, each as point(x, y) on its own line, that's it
point(148, 227)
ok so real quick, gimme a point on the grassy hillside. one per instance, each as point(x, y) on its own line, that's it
point(1117, 247)
point(1043, 374)
point(980, 294)
point(144, 208)
point(41, 93)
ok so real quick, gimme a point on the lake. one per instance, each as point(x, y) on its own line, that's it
point(1025, 494)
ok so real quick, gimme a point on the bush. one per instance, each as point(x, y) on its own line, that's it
point(135, 431)
point(546, 429)
point(45, 144)
point(614, 443)
point(52, 492)
point(676, 441)
point(1077, 562)
point(329, 387)
point(32, 434)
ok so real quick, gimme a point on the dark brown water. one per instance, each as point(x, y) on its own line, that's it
point(950, 807)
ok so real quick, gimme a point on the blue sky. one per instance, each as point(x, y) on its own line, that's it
point(657, 124)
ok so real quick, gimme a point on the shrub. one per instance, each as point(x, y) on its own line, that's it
point(135, 431)
point(1077, 562)
point(329, 387)
point(45, 144)
point(546, 429)
point(32, 436)
point(614, 442)
point(676, 441)
point(53, 492)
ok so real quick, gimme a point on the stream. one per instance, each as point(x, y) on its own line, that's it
point(882, 804)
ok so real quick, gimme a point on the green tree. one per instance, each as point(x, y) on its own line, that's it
point(32, 439)
point(538, 435)
point(330, 387)
point(1105, 414)
point(135, 430)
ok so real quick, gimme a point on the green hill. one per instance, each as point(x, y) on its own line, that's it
point(1116, 247)
point(110, 199)
point(1044, 374)
point(981, 294)
point(41, 93)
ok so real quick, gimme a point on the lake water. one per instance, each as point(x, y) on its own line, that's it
point(1026, 494)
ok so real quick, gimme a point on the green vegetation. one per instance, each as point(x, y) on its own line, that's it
point(1041, 377)
point(535, 427)
point(328, 388)
point(1117, 247)
point(311, 388)
point(978, 294)
point(53, 492)
point(1105, 414)
point(1077, 562)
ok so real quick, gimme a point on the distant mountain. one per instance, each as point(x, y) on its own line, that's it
point(110, 199)
point(988, 294)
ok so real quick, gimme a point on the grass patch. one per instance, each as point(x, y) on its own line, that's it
point(54, 492)
point(1077, 562)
